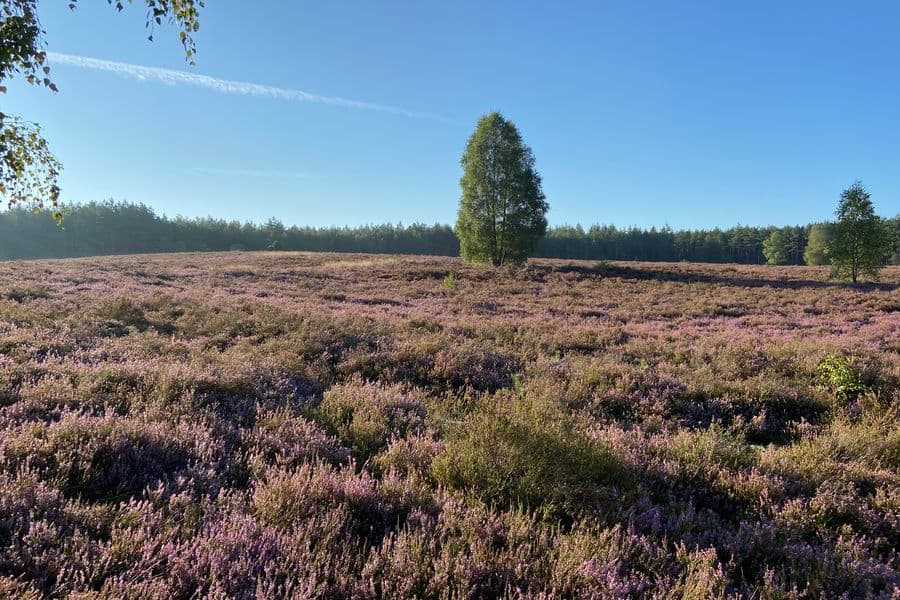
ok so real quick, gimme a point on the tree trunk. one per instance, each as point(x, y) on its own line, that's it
point(494, 257)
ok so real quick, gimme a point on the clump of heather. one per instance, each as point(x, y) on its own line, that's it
point(520, 450)
point(365, 416)
point(286, 440)
point(241, 425)
point(106, 458)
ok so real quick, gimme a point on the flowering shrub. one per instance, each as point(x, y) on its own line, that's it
point(287, 441)
point(412, 454)
point(346, 426)
point(107, 458)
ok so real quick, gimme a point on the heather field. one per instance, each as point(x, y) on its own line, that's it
point(268, 425)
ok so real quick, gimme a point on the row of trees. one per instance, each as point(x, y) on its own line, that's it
point(738, 244)
point(502, 214)
point(791, 245)
point(109, 227)
point(857, 244)
point(123, 228)
point(502, 218)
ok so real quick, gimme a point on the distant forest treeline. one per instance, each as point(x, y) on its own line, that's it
point(111, 227)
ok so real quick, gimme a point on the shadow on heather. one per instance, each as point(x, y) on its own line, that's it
point(679, 275)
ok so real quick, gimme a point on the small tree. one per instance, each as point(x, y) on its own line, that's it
point(776, 247)
point(502, 210)
point(816, 252)
point(860, 241)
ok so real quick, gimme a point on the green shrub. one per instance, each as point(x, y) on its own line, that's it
point(121, 314)
point(519, 450)
point(449, 282)
point(839, 376)
point(702, 452)
point(602, 268)
point(287, 499)
point(703, 577)
point(364, 416)
point(408, 455)
point(872, 443)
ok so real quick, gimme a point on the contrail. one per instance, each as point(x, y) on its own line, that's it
point(225, 86)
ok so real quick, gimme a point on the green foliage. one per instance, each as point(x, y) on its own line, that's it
point(816, 252)
point(449, 282)
point(703, 450)
point(784, 245)
point(775, 248)
point(28, 170)
point(110, 227)
point(860, 240)
point(364, 417)
point(859, 450)
point(124, 312)
point(98, 228)
point(502, 210)
point(602, 267)
point(839, 376)
point(892, 229)
point(514, 449)
point(20, 42)
point(739, 244)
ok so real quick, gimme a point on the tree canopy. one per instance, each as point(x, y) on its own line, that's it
point(785, 245)
point(860, 241)
point(28, 170)
point(122, 227)
point(775, 248)
point(502, 211)
point(816, 252)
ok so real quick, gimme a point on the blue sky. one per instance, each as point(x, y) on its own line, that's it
point(692, 114)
